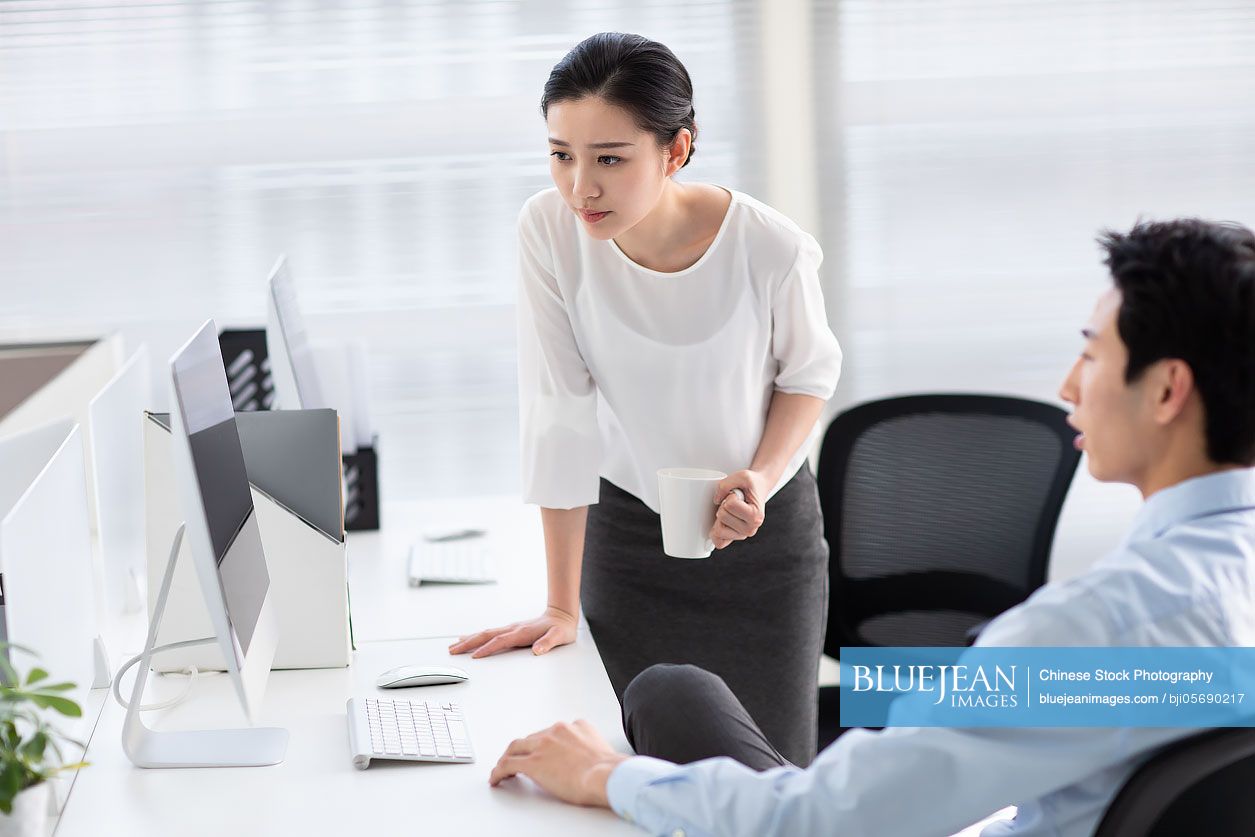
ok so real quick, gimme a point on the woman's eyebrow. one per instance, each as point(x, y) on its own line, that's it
point(564, 144)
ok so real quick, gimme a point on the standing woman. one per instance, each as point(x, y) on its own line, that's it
point(669, 324)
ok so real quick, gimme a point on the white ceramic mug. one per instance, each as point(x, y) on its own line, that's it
point(686, 499)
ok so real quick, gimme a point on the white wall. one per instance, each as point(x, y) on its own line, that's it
point(957, 156)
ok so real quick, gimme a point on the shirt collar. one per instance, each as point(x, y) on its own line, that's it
point(1193, 498)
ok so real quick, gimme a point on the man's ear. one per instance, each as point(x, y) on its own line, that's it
point(1173, 386)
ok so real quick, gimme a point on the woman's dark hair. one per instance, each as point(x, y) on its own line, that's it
point(1188, 292)
point(639, 75)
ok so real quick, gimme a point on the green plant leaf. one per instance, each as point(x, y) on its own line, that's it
point(10, 784)
point(8, 674)
point(35, 675)
point(78, 765)
point(33, 749)
point(65, 706)
point(56, 687)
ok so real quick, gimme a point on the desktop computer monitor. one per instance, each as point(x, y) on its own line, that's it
point(305, 376)
point(292, 364)
point(221, 525)
point(224, 543)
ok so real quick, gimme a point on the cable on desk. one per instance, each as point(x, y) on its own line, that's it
point(192, 671)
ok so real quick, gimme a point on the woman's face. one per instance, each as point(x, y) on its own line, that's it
point(609, 171)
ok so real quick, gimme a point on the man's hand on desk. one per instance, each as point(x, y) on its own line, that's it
point(553, 628)
point(571, 761)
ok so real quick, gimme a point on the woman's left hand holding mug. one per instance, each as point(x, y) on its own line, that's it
point(741, 498)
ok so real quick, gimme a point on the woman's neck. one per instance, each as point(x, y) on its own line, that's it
point(664, 238)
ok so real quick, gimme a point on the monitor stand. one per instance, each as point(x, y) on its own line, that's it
point(146, 747)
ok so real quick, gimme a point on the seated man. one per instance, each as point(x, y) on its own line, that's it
point(1164, 395)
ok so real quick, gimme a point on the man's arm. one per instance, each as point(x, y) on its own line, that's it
point(860, 785)
point(857, 786)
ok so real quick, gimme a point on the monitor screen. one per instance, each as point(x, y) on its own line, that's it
point(204, 402)
point(291, 351)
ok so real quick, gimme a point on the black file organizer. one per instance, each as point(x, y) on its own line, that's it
point(248, 369)
point(252, 388)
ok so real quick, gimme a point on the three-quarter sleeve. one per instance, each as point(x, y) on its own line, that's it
point(807, 351)
point(560, 442)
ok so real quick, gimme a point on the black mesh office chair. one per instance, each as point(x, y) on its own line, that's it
point(1201, 785)
point(940, 511)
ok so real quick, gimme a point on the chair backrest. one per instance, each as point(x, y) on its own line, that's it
point(1201, 785)
point(939, 511)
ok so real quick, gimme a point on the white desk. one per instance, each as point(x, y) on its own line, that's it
point(386, 607)
point(316, 790)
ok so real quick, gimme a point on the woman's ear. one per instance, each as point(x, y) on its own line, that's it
point(678, 151)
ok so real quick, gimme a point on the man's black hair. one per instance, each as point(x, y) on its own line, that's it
point(1188, 293)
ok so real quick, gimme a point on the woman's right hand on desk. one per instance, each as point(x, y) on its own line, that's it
point(553, 628)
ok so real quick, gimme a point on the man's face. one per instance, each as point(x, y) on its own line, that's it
point(1115, 418)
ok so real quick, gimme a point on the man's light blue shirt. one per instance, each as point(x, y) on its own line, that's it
point(1182, 576)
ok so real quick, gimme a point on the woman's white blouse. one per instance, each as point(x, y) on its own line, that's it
point(624, 370)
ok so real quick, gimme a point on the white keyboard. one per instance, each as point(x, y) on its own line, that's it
point(407, 730)
point(466, 561)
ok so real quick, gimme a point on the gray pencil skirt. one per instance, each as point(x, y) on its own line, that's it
point(753, 613)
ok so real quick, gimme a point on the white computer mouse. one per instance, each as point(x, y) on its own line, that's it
point(406, 676)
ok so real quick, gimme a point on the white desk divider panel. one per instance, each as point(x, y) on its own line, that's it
point(67, 395)
point(117, 445)
point(293, 463)
point(46, 557)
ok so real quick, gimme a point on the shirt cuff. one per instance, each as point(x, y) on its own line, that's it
point(627, 780)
